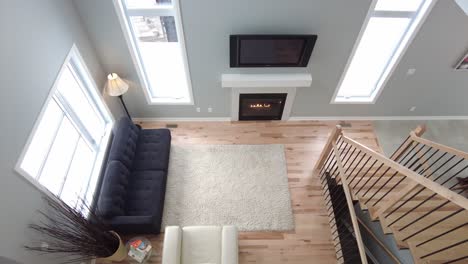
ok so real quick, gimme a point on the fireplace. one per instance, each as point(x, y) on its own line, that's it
point(261, 106)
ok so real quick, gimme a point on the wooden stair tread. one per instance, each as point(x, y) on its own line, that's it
point(441, 257)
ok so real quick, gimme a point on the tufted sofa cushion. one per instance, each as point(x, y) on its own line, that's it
point(125, 142)
point(143, 192)
point(152, 150)
point(114, 189)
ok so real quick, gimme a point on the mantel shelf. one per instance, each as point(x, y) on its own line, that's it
point(266, 80)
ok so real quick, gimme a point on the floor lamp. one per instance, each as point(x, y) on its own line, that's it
point(117, 87)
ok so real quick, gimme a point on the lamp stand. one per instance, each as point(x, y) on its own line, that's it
point(125, 107)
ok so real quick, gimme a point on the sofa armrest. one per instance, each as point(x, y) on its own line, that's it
point(172, 245)
point(229, 245)
point(131, 219)
point(135, 224)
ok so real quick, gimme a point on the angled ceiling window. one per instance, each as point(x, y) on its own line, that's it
point(387, 32)
point(153, 30)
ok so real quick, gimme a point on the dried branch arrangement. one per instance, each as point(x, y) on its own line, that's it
point(71, 235)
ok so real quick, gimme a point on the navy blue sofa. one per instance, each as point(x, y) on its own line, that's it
point(131, 198)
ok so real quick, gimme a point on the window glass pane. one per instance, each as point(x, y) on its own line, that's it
point(154, 29)
point(398, 5)
point(377, 45)
point(42, 139)
point(162, 57)
point(146, 3)
point(70, 89)
point(78, 174)
point(59, 158)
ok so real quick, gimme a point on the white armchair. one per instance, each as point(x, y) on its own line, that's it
point(200, 245)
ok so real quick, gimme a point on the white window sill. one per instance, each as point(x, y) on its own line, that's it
point(354, 100)
point(170, 101)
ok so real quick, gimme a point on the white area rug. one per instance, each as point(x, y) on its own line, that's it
point(241, 185)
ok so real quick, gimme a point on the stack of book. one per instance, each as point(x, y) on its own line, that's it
point(139, 249)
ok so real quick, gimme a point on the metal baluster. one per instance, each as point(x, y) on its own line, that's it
point(326, 162)
point(433, 224)
point(334, 189)
point(445, 248)
point(409, 152)
point(357, 165)
point(456, 260)
point(349, 158)
point(345, 155)
point(362, 167)
point(418, 159)
point(378, 179)
point(402, 179)
point(331, 154)
point(369, 178)
point(352, 162)
point(430, 197)
point(365, 174)
point(428, 213)
point(327, 169)
point(391, 177)
point(340, 210)
point(401, 145)
point(441, 234)
point(422, 188)
point(339, 202)
point(342, 236)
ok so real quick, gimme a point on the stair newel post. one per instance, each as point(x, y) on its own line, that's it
point(334, 135)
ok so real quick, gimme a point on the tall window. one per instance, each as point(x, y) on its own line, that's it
point(65, 151)
point(153, 30)
point(390, 26)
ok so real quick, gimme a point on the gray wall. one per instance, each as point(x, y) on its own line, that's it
point(36, 38)
point(435, 89)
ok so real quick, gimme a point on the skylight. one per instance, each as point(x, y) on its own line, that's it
point(153, 30)
point(386, 34)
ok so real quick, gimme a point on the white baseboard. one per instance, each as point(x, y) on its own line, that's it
point(181, 119)
point(375, 118)
point(300, 118)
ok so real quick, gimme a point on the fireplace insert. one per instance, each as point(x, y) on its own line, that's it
point(261, 106)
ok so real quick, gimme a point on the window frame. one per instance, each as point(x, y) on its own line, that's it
point(75, 59)
point(127, 30)
point(393, 61)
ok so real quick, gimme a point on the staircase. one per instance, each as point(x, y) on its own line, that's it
point(418, 195)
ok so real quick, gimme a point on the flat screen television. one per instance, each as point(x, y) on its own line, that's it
point(271, 50)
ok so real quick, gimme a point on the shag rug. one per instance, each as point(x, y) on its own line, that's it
point(241, 185)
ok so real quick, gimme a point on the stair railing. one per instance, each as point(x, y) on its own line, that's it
point(346, 235)
point(413, 193)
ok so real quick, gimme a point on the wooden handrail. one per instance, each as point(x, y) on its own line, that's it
point(427, 183)
point(336, 132)
point(419, 130)
point(379, 243)
point(349, 201)
point(435, 145)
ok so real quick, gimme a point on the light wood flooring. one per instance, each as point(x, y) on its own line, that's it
point(310, 242)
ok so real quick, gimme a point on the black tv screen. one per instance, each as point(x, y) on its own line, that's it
point(271, 50)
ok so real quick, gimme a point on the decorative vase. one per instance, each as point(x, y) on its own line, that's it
point(121, 252)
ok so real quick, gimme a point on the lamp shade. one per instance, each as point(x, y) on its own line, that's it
point(115, 85)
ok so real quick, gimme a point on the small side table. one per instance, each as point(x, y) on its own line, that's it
point(148, 254)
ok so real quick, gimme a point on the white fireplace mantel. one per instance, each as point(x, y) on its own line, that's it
point(264, 83)
point(266, 80)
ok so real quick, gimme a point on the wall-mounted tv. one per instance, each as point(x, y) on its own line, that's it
point(271, 50)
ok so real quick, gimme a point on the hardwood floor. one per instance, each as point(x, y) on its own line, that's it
point(310, 242)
